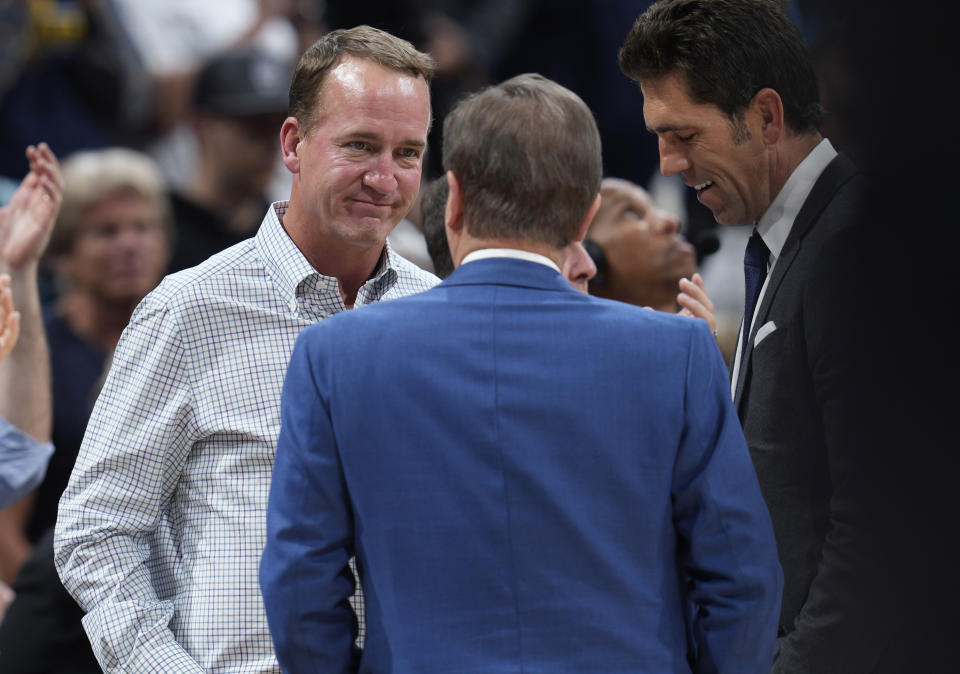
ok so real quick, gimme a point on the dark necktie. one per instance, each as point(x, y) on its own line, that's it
point(754, 272)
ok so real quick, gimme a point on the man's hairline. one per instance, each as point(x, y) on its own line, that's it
point(680, 73)
point(316, 108)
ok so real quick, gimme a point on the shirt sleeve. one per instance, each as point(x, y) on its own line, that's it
point(23, 462)
point(727, 546)
point(131, 459)
point(304, 573)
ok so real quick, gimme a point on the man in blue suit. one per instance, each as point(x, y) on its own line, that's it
point(532, 479)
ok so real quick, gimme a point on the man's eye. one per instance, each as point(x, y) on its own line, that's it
point(409, 153)
point(685, 139)
point(358, 145)
point(632, 213)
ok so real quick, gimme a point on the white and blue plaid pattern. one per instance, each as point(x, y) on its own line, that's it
point(161, 528)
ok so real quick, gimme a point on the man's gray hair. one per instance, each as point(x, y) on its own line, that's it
point(527, 155)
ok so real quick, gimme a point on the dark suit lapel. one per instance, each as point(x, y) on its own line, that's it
point(834, 176)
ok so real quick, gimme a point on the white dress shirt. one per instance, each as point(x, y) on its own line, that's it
point(161, 528)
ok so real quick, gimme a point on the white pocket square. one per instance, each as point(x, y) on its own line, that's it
point(763, 332)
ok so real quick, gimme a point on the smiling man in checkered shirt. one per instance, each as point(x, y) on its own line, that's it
point(161, 528)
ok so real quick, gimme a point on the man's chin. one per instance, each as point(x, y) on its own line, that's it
point(368, 230)
point(729, 219)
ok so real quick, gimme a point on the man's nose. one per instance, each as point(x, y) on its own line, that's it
point(380, 177)
point(671, 160)
point(129, 237)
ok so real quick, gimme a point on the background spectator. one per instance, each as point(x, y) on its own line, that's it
point(109, 248)
point(240, 100)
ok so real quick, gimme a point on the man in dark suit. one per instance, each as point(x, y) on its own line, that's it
point(731, 93)
point(532, 479)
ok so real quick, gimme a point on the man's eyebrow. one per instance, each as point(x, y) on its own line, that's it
point(370, 135)
point(665, 128)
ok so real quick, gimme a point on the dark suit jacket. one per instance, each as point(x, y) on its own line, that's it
point(533, 480)
point(797, 397)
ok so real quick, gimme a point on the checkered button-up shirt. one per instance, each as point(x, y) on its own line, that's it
point(161, 528)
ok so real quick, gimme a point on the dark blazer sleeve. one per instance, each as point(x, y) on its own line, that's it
point(727, 547)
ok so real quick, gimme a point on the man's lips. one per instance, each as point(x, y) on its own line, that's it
point(126, 270)
point(700, 188)
point(376, 208)
point(683, 246)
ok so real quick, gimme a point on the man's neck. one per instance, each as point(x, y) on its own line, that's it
point(352, 264)
point(792, 150)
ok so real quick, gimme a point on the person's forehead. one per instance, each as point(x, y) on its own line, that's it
point(668, 105)
point(615, 192)
point(354, 77)
point(360, 91)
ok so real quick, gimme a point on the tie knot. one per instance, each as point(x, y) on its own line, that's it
point(757, 252)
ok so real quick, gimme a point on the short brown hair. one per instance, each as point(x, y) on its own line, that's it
point(433, 206)
point(361, 41)
point(527, 155)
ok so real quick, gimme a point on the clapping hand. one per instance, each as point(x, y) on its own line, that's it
point(27, 220)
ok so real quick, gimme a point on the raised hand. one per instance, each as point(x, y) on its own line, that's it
point(27, 220)
point(695, 302)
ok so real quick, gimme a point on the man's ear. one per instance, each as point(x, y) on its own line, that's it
point(291, 135)
point(588, 219)
point(767, 104)
point(453, 213)
point(453, 218)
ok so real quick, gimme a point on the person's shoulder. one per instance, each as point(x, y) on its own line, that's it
point(629, 325)
point(219, 277)
point(351, 327)
point(840, 189)
point(615, 309)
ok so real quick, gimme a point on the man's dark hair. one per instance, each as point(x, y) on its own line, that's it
point(365, 42)
point(527, 155)
point(433, 206)
point(726, 51)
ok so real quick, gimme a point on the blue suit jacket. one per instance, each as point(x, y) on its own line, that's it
point(532, 480)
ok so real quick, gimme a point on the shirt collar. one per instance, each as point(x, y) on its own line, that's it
point(299, 283)
point(283, 260)
point(515, 253)
point(775, 224)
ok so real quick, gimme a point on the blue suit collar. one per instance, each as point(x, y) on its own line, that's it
point(508, 271)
